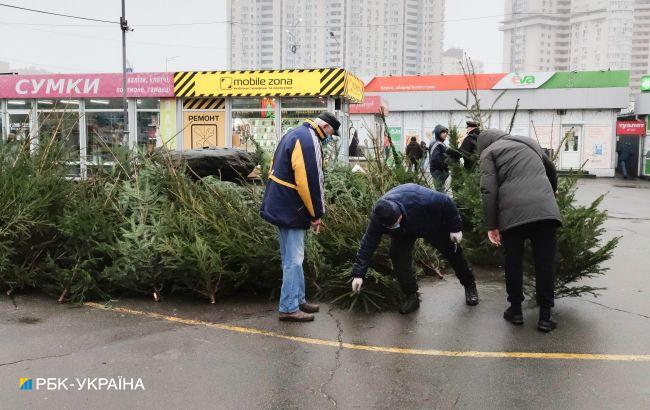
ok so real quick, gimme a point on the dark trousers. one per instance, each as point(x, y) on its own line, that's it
point(623, 165)
point(542, 235)
point(401, 254)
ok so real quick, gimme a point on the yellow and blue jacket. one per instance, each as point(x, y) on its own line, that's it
point(294, 191)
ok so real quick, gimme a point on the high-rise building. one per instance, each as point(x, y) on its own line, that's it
point(452, 58)
point(640, 64)
point(567, 34)
point(557, 35)
point(367, 37)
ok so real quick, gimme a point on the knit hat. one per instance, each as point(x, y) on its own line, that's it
point(387, 212)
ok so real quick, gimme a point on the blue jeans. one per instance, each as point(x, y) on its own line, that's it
point(292, 250)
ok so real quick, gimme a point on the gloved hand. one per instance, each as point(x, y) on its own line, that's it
point(356, 285)
point(456, 237)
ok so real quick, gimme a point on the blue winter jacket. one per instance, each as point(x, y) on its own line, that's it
point(294, 191)
point(425, 214)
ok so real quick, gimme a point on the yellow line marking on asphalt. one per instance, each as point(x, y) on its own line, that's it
point(379, 349)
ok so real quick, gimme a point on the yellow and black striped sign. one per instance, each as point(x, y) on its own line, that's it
point(282, 83)
point(204, 103)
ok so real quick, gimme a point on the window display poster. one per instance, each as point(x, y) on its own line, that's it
point(598, 144)
point(428, 134)
point(395, 134)
point(168, 122)
point(203, 129)
point(412, 132)
point(546, 135)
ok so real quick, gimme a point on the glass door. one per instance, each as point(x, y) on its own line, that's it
point(571, 147)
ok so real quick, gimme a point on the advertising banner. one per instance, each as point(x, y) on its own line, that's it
point(529, 80)
point(204, 129)
point(168, 122)
point(598, 146)
point(630, 127)
point(86, 85)
point(296, 83)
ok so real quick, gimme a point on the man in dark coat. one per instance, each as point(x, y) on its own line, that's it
point(468, 148)
point(438, 157)
point(518, 185)
point(293, 201)
point(625, 154)
point(414, 154)
point(406, 213)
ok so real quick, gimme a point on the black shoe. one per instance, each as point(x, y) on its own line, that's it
point(514, 316)
point(410, 304)
point(471, 295)
point(546, 325)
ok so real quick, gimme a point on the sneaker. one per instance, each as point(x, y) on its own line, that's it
point(410, 304)
point(471, 295)
point(309, 307)
point(514, 316)
point(298, 316)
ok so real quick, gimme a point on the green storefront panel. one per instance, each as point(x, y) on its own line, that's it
point(589, 79)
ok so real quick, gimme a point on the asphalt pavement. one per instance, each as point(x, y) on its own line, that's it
point(235, 354)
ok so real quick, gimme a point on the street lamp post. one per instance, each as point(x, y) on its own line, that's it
point(125, 27)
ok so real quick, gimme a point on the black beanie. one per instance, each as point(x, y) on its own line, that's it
point(387, 212)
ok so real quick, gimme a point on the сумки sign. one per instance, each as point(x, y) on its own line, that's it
point(155, 85)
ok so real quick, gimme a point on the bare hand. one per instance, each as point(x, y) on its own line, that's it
point(495, 237)
point(315, 225)
point(356, 285)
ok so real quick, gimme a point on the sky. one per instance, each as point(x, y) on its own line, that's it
point(180, 35)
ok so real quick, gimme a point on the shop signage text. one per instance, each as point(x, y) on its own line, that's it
point(523, 80)
point(86, 85)
point(645, 83)
point(630, 127)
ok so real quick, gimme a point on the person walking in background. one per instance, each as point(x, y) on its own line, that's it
point(625, 154)
point(425, 155)
point(438, 157)
point(293, 201)
point(518, 186)
point(414, 154)
point(406, 213)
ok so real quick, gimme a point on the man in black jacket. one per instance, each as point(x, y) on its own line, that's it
point(518, 185)
point(438, 157)
point(468, 148)
point(414, 154)
point(406, 213)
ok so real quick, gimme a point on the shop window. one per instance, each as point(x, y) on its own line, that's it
point(105, 134)
point(104, 104)
point(298, 102)
point(149, 130)
point(62, 126)
point(19, 105)
point(148, 104)
point(252, 103)
point(148, 122)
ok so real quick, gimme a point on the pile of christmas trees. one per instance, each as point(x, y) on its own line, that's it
point(143, 226)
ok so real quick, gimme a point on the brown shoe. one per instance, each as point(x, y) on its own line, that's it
point(298, 316)
point(309, 307)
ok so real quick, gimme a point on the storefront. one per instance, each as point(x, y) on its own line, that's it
point(181, 110)
point(573, 112)
point(238, 108)
point(642, 113)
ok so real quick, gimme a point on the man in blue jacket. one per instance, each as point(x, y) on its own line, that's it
point(406, 213)
point(293, 201)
